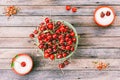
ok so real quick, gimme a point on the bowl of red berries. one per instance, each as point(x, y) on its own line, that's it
point(56, 40)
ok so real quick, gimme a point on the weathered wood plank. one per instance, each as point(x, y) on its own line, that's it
point(80, 53)
point(60, 2)
point(19, 32)
point(16, 43)
point(93, 42)
point(35, 20)
point(16, 31)
point(76, 64)
point(55, 10)
point(57, 75)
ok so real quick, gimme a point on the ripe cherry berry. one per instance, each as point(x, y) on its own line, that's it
point(74, 39)
point(67, 47)
point(64, 54)
point(108, 13)
point(50, 26)
point(102, 15)
point(69, 42)
point(47, 20)
point(68, 7)
point(66, 62)
point(74, 9)
point(58, 22)
point(72, 34)
point(61, 65)
point(23, 64)
point(41, 46)
point(59, 56)
point(35, 31)
point(54, 36)
point(72, 49)
point(31, 36)
point(52, 57)
point(46, 55)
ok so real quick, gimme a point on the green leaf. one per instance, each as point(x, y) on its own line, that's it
point(12, 64)
point(16, 56)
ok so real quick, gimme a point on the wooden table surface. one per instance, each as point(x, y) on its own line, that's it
point(95, 44)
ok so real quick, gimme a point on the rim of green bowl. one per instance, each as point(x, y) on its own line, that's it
point(76, 36)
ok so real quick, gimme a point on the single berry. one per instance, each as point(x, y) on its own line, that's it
point(52, 57)
point(61, 65)
point(47, 20)
point(35, 31)
point(66, 62)
point(23, 64)
point(108, 13)
point(67, 47)
point(64, 54)
point(102, 15)
point(68, 7)
point(31, 36)
point(74, 9)
point(46, 55)
point(59, 56)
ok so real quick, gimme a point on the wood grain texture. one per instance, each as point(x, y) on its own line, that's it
point(68, 75)
point(84, 32)
point(76, 64)
point(60, 2)
point(95, 44)
point(55, 10)
point(35, 20)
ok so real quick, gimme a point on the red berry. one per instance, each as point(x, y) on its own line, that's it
point(69, 42)
point(41, 46)
point(52, 57)
point(64, 54)
point(39, 37)
point(49, 50)
point(74, 9)
point(23, 64)
point(63, 47)
point(66, 39)
point(58, 22)
point(102, 15)
point(49, 37)
point(72, 49)
point(59, 56)
point(58, 31)
point(35, 31)
point(61, 41)
point(54, 36)
point(72, 34)
point(68, 7)
point(54, 46)
point(47, 20)
point(31, 36)
point(50, 26)
point(108, 13)
point(61, 65)
point(74, 39)
point(66, 62)
point(42, 28)
point(46, 55)
point(67, 47)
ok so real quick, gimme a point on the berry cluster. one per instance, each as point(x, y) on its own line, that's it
point(56, 39)
point(102, 15)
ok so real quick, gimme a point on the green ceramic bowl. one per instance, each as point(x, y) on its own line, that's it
point(70, 26)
